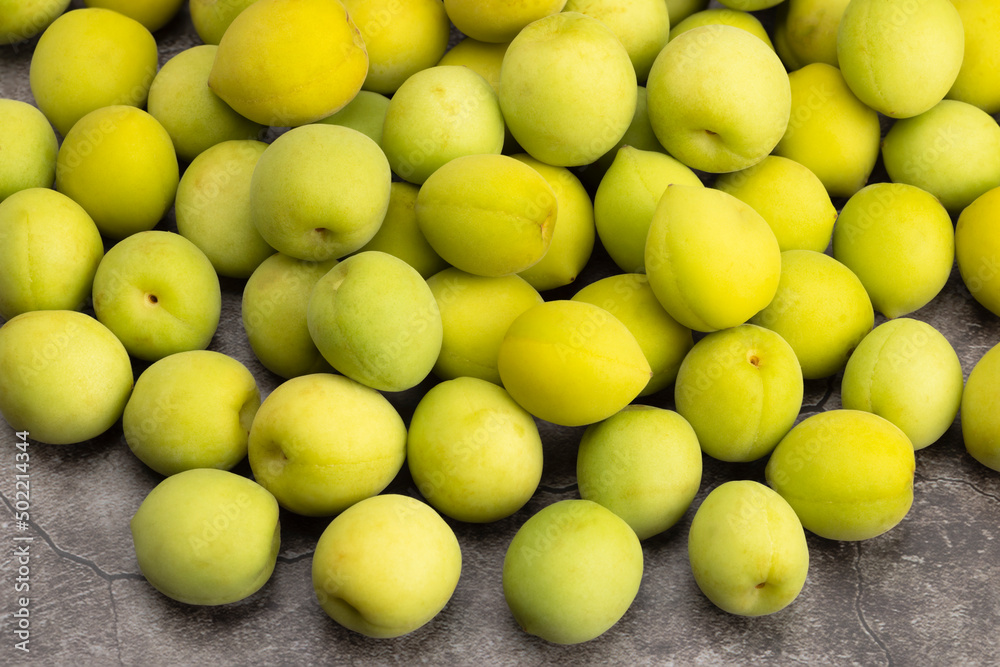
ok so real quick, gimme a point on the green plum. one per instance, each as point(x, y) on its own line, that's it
point(626, 200)
point(50, 250)
point(663, 340)
point(898, 240)
point(320, 192)
point(274, 313)
point(213, 207)
point(847, 474)
point(908, 373)
point(572, 571)
point(643, 464)
point(831, 132)
point(207, 537)
point(900, 57)
point(438, 114)
point(977, 249)
point(476, 312)
point(28, 145)
point(571, 363)
point(981, 410)
point(747, 549)
point(821, 309)
point(488, 214)
point(741, 390)
point(159, 294)
point(792, 200)
point(119, 164)
point(322, 442)
point(194, 116)
point(386, 566)
point(951, 150)
point(567, 89)
point(89, 59)
point(712, 260)
point(64, 377)
point(473, 452)
point(191, 410)
point(399, 234)
point(374, 318)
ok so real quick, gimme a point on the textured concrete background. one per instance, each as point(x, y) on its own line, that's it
point(927, 592)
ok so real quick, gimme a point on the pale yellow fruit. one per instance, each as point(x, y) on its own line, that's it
point(847, 474)
point(207, 537)
point(789, 197)
point(821, 309)
point(386, 566)
point(29, 147)
point(476, 312)
point(50, 249)
point(289, 62)
point(908, 373)
point(320, 192)
point(88, 59)
point(373, 317)
point(981, 410)
point(719, 98)
point(722, 16)
point(900, 57)
point(573, 237)
point(23, 19)
point(977, 249)
point(365, 113)
point(571, 363)
point(401, 37)
point(747, 549)
point(663, 340)
point(153, 14)
point(574, 588)
point(643, 464)
point(681, 9)
point(498, 20)
point(483, 58)
point(437, 115)
point(211, 18)
point(274, 310)
point(711, 259)
point(473, 452)
point(830, 131)
point(213, 207)
point(487, 214)
point(189, 111)
point(642, 26)
point(810, 30)
point(320, 443)
point(119, 164)
point(978, 80)
point(898, 240)
point(952, 151)
point(399, 234)
point(64, 377)
point(567, 89)
point(626, 200)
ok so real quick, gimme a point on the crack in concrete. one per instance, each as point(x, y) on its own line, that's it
point(114, 615)
point(860, 613)
point(963, 482)
point(67, 555)
point(295, 559)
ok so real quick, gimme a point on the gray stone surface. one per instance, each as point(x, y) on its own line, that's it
point(927, 592)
